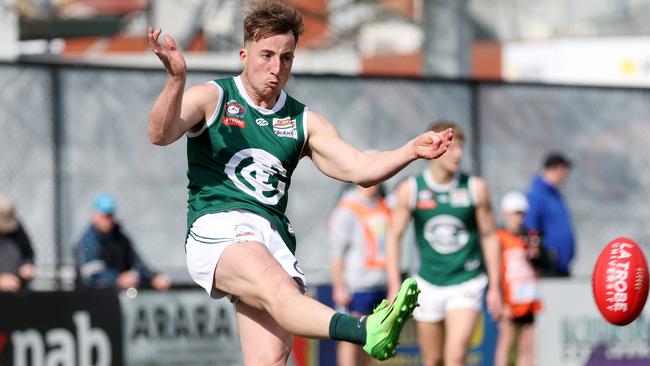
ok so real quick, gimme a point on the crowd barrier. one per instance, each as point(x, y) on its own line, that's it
point(186, 327)
point(107, 327)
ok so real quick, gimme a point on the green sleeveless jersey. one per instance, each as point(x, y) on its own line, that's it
point(244, 156)
point(446, 231)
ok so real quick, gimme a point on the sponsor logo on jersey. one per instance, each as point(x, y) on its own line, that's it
point(285, 127)
point(234, 109)
point(244, 233)
point(472, 264)
point(459, 198)
point(235, 122)
point(426, 204)
point(258, 174)
point(446, 234)
point(262, 122)
point(443, 198)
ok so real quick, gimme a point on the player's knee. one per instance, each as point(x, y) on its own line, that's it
point(276, 288)
point(276, 357)
point(457, 356)
point(281, 356)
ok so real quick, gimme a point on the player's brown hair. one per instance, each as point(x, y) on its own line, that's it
point(269, 18)
point(441, 125)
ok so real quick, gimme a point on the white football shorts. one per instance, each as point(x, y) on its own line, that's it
point(211, 234)
point(436, 301)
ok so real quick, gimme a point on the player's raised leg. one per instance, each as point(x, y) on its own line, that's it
point(249, 272)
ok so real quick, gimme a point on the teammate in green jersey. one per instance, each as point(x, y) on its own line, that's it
point(245, 136)
point(457, 239)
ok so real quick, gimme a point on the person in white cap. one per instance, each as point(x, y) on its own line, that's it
point(16, 254)
point(518, 283)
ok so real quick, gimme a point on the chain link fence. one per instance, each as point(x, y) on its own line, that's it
point(27, 160)
point(603, 131)
point(94, 120)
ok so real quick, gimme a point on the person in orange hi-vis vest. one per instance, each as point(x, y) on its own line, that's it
point(519, 281)
point(357, 234)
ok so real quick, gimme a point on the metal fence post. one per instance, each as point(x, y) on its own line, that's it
point(57, 134)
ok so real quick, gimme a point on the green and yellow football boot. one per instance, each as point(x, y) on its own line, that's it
point(385, 324)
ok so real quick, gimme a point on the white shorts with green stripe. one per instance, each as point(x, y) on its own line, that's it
point(211, 234)
point(436, 301)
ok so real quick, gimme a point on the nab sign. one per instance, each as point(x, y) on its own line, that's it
point(61, 328)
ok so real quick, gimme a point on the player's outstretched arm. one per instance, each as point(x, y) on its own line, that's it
point(340, 160)
point(175, 111)
point(490, 246)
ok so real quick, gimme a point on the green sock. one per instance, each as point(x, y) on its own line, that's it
point(348, 328)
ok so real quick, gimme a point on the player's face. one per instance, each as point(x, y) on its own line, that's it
point(450, 160)
point(267, 63)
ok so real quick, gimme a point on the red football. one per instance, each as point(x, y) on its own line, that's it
point(620, 281)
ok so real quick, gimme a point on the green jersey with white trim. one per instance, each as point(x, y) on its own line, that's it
point(244, 157)
point(446, 231)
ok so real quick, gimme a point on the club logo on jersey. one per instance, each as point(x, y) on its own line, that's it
point(234, 109)
point(285, 127)
point(262, 122)
point(426, 200)
point(459, 198)
point(446, 234)
point(258, 174)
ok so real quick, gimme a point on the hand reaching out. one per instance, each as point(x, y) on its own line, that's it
point(168, 53)
point(431, 145)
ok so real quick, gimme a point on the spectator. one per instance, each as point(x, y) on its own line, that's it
point(106, 257)
point(16, 254)
point(518, 282)
point(548, 214)
point(357, 233)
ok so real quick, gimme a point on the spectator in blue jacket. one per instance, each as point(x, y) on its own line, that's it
point(549, 215)
point(106, 257)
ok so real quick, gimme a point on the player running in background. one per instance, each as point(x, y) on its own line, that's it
point(245, 137)
point(457, 241)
